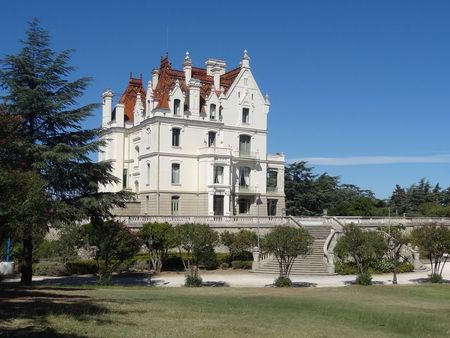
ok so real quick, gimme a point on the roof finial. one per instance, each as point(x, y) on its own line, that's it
point(246, 57)
point(187, 57)
point(245, 62)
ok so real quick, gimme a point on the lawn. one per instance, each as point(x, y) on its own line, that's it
point(376, 311)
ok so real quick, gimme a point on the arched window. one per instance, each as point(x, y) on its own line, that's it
point(211, 139)
point(136, 153)
point(136, 187)
point(176, 107)
point(176, 137)
point(218, 175)
point(212, 111)
point(244, 177)
point(244, 144)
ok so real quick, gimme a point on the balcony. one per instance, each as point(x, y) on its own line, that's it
point(214, 151)
point(272, 189)
point(246, 155)
point(247, 189)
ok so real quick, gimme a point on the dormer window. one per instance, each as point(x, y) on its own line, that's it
point(245, 115)
point(212, 111)
point(176, 107)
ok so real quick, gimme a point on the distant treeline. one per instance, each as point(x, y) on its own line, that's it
point(312, 194)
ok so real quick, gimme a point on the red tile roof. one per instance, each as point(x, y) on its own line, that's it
point(166, 82)
point(128, 98)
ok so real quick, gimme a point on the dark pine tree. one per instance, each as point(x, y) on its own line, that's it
point(55, 147)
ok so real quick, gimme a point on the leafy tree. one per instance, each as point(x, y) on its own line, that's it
point(359, 206)
point(398, 200)
point(362, 247)
point(114, 244)
point(197, 241)
point(396, 237)
point(310, 194)
point(53, 146)
point(434, 241)
point(240, 242)
point(286, 243)
point(158, 238)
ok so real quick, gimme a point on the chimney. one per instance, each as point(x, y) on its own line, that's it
point(187, 67)
point(194, 96)
point(215, 68)
point(155, 76)
point(107, 107)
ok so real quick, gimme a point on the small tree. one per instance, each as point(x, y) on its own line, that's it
point(286, 243)
point(115, 244)
point(434, 241)
point(363, 247)
point(158, 238)
point(396, 239)
point(240, 242)
point(197, 242)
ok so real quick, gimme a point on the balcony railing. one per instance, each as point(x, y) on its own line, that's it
point(272, 189)
point(215, 151)
point(246, 154)
point(246, 189)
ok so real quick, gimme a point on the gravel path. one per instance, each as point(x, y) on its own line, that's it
point(235, 278)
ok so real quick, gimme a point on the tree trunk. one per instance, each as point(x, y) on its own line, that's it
point(27, 261)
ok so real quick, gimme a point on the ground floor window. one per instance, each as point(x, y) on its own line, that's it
point(244, 205)
point(175, 205)
point(272, 207)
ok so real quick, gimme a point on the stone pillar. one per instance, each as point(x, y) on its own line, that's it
point(107, 108)
point(256, 254)
point(416, 257)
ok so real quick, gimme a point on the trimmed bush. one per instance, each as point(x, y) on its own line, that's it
point(82, 267)
point(364, 279)
point(49, 268)
point(224, 266)
point(405, 267)
point(241, 264)
point(193, 280)
point(283, 282)
point(243, 256)
point(436, 278)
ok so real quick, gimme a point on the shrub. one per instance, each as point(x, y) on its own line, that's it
point(193, 280)
point(436, 278)
point(242, 256)
point(241, 264)
point(405, 267)
point(173, 263)
point(283, 282)
point(345, 268)
point(49, 268)
point(222, 257)
point(140, 265)
point(82, 267)
point(364, 279)
point(224, 266)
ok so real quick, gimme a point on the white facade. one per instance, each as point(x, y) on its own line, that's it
point(194, 143)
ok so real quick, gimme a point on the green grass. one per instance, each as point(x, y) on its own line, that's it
point(376, 311)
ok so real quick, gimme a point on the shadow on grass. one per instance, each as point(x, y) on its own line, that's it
point(427, 281)
point(215, 284)
point(33, 332)
point(36, 305)
point(374, 282)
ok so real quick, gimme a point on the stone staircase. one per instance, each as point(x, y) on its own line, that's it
point(311, 264)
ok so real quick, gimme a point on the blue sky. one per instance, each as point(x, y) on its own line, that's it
point(361, 89)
